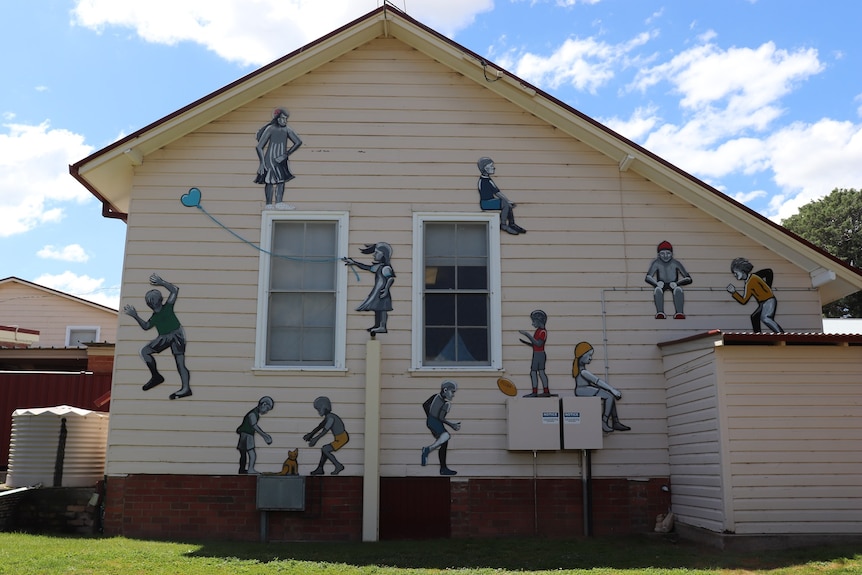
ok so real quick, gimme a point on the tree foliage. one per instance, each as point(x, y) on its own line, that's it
point(834, 224)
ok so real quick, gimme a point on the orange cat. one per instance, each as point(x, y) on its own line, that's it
point(291, 466)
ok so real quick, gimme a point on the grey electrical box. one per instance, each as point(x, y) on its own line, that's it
point(281, 492)
point(582, 423)
point(533, 423)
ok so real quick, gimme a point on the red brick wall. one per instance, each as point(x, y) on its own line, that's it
point(495, 507)
point(223, 507)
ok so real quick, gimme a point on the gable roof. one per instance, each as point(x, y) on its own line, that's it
point(76, 299)
point(108, 172)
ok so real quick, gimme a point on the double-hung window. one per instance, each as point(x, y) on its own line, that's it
point(301, 303)
point(456, 286)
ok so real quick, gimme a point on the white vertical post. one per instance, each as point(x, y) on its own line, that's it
point(371, 481)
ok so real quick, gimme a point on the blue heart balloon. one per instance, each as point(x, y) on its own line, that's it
point(191, 199)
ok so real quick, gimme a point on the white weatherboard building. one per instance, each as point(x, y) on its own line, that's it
point(750, 433)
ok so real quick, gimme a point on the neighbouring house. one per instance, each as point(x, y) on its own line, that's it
point(338, 290)
point(55, 349)
point(61, 319)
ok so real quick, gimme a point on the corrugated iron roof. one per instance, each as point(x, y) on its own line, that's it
point(787, 338)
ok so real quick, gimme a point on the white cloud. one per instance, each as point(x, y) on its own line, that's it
point(586, 64)
point(34, 175)
point(811, 160)
point(639, 124)
point(745, 197)
point(70, 253)
point(255, 32)
point(655, 16)
point(729, 99)
point(745, 79)
point(83, 287)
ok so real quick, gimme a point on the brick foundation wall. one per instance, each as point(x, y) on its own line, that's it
point(223, 507)
point(554, 507)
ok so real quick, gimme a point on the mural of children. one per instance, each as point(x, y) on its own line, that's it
point(589, 385)
point(171, 335)
point(491, 198)
point(667, 274)
point(759, 286)
point(273, 152)
point(333, 423)
point(436, 409)
point(247, 429)
point(379, 299)
point(537, 340)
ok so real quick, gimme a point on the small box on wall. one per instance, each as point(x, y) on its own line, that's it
point(582, 422)
point(533, 423)
point(280, 493)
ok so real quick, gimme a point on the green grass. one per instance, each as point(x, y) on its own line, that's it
point(22, 554)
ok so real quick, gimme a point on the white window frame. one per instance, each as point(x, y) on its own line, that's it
point(71, 328)
point(492, 219)
point(269, 218)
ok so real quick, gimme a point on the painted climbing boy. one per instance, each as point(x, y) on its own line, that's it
point(759, 286)
point(379, 299)
point(273, 152)
point(171, 335)
point(436, 409)
point(667, 274)
point(491, 198)
point(537, 341)
point(333, 423)
point(249, 426)
point(588, 384)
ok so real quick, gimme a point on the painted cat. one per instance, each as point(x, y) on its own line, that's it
point(290, 466)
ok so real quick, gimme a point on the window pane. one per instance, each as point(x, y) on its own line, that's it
point(439, 277)
point(440, 309)
point(473, 240)
point(440, 240)
point(318, 346)
point(288, 245)
point(437, 345)
point(283, 346)
point(318, 309)
point(473, 277)
point(285, 309)
point(476, 345)
point(473, 310)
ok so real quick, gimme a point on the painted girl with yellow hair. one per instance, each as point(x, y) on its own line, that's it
point(588, 384)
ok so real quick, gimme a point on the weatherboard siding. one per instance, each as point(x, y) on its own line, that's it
point(793, 437)
point(388, 132)
point(694, 441)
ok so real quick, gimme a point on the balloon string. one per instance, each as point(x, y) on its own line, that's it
point(275, 255)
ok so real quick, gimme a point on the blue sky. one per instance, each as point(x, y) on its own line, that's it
point(760, 98)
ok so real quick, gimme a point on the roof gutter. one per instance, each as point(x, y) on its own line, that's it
point(108, 210)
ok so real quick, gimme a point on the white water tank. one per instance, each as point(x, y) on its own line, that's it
point(38, 436)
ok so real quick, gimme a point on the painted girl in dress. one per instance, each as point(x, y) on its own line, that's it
point(272, 151)
point(379, 300)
